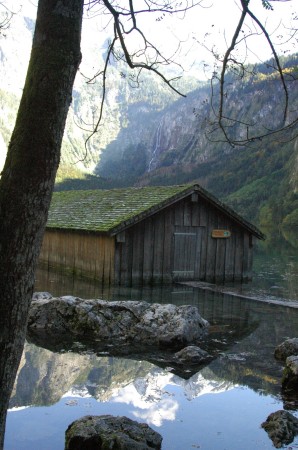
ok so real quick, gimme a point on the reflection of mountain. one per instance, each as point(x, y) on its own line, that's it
point(242, 337)
point(153, 397)
point(250, 362)
point(112, 373)
point(43, 376)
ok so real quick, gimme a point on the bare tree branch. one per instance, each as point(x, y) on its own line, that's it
point(148, 57)
point(103, 74)
point(224, 123)
point(224, 69)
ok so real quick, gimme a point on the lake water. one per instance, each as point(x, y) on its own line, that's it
point(220, 407)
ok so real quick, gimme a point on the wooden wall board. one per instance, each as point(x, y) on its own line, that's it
point(211, 246)
point(158, 249)
point(148, 251)
point(83, 254)
point(221, 245)
point(238, 268)
point(138, 254)
point(167, 246)
point(230, 256)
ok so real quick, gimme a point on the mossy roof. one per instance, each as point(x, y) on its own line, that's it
point(111, 211)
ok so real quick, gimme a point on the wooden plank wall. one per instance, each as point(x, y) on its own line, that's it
point(146, 256)
point(84, 254)
point(144, 253)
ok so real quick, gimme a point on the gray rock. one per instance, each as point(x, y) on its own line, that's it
point(290, 374)
point(41, 296)
point(287, 348)
point(104, 432)
point(192, 355)
point(281, 427)
point(121, 321)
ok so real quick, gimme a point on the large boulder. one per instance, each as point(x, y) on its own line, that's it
point(104, 432)
point(287, 348)
point(161, 325)
point(290, 375)
point(281, 427)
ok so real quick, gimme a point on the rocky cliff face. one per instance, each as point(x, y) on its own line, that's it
point(185, 135)
point(123, 102)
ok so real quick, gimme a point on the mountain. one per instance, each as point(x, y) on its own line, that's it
point(121, 91)
point(44, 377)
point(150, 136)
point(260, 179)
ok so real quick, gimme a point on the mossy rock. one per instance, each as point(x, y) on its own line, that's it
point(110, 433)
point(281, 427)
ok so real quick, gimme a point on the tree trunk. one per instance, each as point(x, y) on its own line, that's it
point(29, 173)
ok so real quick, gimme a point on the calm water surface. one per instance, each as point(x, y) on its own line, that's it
point(220, 407)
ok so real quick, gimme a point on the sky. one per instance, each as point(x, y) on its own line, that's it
point(190, 37)
point(211, 25)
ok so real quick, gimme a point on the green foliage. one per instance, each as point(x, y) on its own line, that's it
point(68, 172)
point(291, 220)
point(70, 181)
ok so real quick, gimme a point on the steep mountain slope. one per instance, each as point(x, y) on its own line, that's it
point(122, 93)
point(259, 179)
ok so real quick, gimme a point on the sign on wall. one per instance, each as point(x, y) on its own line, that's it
point(219, 234)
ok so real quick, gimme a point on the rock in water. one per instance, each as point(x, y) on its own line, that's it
point(281, 427)
point(287, 348)
point(118, 321)
point(290, 374)
point(104, 432)
point(192, 355)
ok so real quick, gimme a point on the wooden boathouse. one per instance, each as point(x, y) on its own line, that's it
point(148, 235)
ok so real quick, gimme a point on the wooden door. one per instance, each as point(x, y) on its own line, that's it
point(186, 253)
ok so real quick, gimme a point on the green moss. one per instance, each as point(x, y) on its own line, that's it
point(110, 211)
point(101, 210)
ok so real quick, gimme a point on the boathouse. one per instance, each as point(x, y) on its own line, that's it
point(148, 235)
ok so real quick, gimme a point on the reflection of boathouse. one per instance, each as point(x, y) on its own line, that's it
point(148, 235)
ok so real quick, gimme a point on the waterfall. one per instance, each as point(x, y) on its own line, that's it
point(156, 145)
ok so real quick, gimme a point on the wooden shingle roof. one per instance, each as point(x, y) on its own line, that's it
point(112, 211)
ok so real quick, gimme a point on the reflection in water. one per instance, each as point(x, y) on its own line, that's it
point(54, 388)
point(276, 265)
point(275, 276)
point(243, 335)
point(153, 397)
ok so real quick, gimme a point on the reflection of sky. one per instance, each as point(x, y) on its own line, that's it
point(18, 408)
point(153, 412)
point(230, 420)
point(185, 412)
point(153, 398)
point(154, 404)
